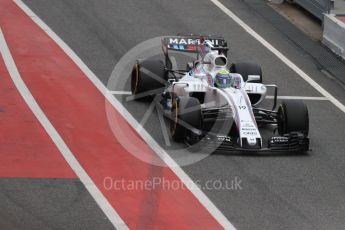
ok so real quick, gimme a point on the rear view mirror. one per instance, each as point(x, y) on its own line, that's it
point(253, 78)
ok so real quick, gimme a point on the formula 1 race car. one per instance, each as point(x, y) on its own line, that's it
point(214, 101)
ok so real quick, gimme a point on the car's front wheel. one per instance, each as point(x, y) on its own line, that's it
point(293, 117)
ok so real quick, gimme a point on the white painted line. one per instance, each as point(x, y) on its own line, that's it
point(203, 199)
point(283, 58)
point(120, 92)
point(114, 218)
point(299, 98)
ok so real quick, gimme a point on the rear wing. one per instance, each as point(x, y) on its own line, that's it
point(191, 43)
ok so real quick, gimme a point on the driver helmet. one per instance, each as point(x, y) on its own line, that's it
point(223, 79)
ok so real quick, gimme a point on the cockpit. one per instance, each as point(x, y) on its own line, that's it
point(225, 79)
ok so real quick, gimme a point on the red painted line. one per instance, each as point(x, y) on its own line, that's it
point(341, 18)
point(26, 150)
point(77, 110)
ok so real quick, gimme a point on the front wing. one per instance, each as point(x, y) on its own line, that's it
point(292, 142)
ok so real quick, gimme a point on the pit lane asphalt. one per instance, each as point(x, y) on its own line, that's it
point(48, 204)
point(278, 191)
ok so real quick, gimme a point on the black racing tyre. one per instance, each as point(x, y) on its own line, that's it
point(148, 76)
point(246, 69)
point(185, 112)
point(293, 117)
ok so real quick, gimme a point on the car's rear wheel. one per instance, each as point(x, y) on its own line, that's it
point(185, 114)
point(148, 78)
point(293, 117)
point(246, 69)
